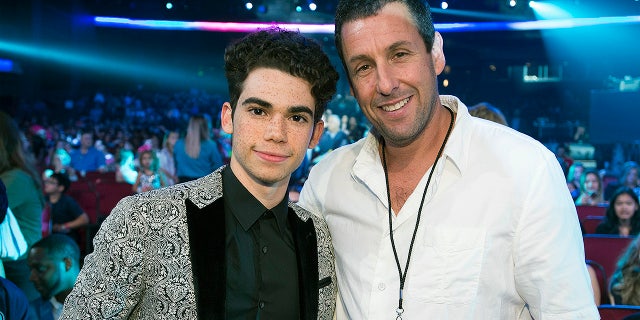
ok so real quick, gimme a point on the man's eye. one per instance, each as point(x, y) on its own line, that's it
point(257, 112)
point(297, 118)
point(363, 68)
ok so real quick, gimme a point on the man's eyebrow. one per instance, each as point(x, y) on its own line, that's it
point(258, 101)
point(392, 47)
point(300, 109)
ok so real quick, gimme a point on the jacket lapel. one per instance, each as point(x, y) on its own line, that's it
point(304, 236)
point(207, 246)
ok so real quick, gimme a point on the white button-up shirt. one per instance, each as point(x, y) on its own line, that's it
point(498, 232)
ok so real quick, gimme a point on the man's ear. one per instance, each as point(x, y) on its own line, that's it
point(318, 128)
point(67, 263)
point(226, 118)
point(437, 54)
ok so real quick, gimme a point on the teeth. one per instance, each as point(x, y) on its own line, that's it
point(396, 106)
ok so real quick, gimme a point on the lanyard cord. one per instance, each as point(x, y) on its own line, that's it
point(403, 275)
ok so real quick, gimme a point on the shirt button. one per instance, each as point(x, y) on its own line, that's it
point(381, 286)
point(261, 304)
point(265, 249)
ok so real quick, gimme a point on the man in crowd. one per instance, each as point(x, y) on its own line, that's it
point(228, 245)
point(438, 214)
point(55, 264)
point(65, 214)
point(87, 158)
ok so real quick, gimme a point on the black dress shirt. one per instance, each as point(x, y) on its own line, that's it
point(261, 264)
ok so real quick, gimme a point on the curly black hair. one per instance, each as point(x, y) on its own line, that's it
point(284, 50)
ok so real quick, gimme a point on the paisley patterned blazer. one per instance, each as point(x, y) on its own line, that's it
point(160, 255)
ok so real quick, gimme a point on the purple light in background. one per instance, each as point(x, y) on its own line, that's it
point(329, 28)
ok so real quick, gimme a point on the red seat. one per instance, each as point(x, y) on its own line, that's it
point(602, 281)
point(110, 193)
point(585, 211)
point(590, 224)
point(617, 312)
point(605, 250)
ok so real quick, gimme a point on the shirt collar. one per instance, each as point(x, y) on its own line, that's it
point(244, 206)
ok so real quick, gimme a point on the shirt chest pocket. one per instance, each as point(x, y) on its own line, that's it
point(449, 265)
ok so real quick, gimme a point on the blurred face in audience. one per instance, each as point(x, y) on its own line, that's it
point(591, 183)
point(625, 206)
point(86, 140)
point(632, 178)
point(46, 271)
point(171, 139)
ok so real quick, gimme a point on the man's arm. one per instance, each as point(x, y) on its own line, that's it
point(550, 269)
point(110, 282)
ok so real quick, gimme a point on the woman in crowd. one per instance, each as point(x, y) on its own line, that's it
point(26, 200)
point(573, 179)
point(622, 216)
point(165, 156)
point(625, 282)
point(590, 189)
point(196, 155)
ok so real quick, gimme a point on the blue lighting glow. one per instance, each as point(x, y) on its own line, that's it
point(248, 5)
point(313, 6)
point(444, 5)
point(329, 28)
point(298, 9)
point(6, 65)
point(548, 10)
point(169, 5)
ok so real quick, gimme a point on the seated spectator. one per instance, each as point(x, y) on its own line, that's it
point(13, 302)
point(628, 178)
point(87, 158)
point(355, 129)
point(165, 156)
point(332, 138)
point(126, 169)
point(66, 215)
point(196, 155)
point(573, 179)
point(489, 112)
point(149, 176)
point(622, 217)
point(590, 190)
point(55, 264)
point(624, 287)
point(60, 163)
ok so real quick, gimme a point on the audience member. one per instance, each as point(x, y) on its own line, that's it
point(622, 216)
point(196, 154)
point(489, 112)
point(564, 157)
point(333, 137)
point(13, 302)
point(55, 264)
point(65, 213)
point(624, 287)
point(499, 237)
point(590, 190)
point(573, 179)
point(355, 129)
point(126, 168)
point(165, 156)
point(87, 158)
point(24, 191)
point(228, 245)
point(149, 176)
